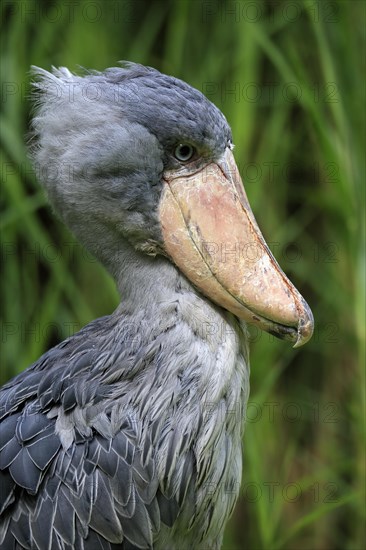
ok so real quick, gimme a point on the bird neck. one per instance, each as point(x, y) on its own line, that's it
point(163, 307)
point(159, 304)
point(153, 283)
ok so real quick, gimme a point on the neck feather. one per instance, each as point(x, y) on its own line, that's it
point(163, 306)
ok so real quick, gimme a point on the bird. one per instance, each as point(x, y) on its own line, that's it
point(127, 435)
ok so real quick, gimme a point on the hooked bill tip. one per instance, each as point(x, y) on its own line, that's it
point(306, 327)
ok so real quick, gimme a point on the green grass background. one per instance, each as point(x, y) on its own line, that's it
point(290, 78)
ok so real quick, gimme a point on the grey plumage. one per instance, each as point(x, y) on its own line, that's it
point(114, 133)
point(128, 434)
point(150, 438)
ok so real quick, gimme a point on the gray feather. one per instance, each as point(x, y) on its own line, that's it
point(122, 436)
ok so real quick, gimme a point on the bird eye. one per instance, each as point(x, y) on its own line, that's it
point(184, 152)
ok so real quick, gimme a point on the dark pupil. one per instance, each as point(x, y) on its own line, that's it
point(185, 150)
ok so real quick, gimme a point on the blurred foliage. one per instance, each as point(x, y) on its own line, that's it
point(290, 80)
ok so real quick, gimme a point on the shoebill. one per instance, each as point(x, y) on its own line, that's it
point(128, 434)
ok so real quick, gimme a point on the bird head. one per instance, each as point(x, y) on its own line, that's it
point(145, 158)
